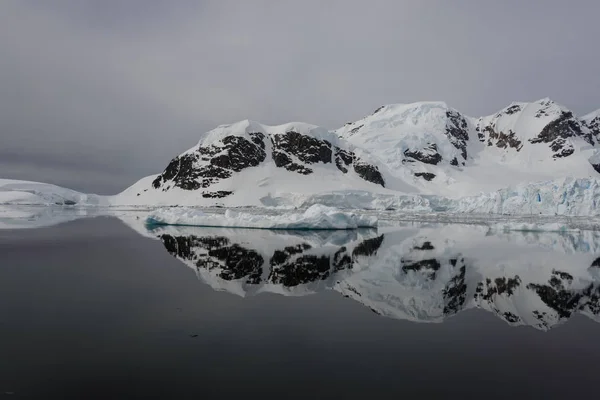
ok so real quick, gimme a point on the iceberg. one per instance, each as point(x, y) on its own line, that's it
point(314, 218)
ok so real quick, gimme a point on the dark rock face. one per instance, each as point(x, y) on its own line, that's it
point(307, 149)
point(428, 176)
point(498, 286)
point(290, 266)
point(513, 109)
point(233, 154)
point(455, 292)
point(556, 133)
point(235, 261)
point(356, 129)
point(425, 246)
point(240, 153)
point(282, 160)
point(343, 159)
point(368, 248)
point(593, 126)
point(305, 269)
point(378, 109)
point(369, 173)
point(502, 140)
point(428, 155)
point(219, 194)
point(429, 266)
point(457, 131)
point(556, 296)
point(479, 130)
point(207, 165)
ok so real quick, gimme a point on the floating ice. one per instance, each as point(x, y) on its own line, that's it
point(315, 217)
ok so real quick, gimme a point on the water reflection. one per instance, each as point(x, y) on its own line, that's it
point(417, 273)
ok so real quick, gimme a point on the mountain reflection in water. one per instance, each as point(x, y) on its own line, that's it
point(417, 273)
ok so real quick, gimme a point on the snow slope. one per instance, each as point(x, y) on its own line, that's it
point(15, 192)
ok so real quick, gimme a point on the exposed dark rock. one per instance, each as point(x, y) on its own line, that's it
point(304, 269)
point(367, 248)
point(216, 195)
point(503, 140)
point(239, 154)
point(555, 133)
point(369, 173)
point(455, 293)
point(500, 286)
point(282, 256)
point(596, 263)
point(341, 260)
point(431, 264)
point(562, 301)
point(238, 261)
point(378, 109)
point(428, 176)
point(235, 261)
point(510, 317)
point(234, 155)
point(428, 155)
point(563, 275)
point(513, 109)
point(343, 159)
point(592, 296)
point(425, 246)
point(258, 138)
point(593, 126)
point(454, 162)
point(479, 131)
point(306, 148)
point(457, 131)
point(355, 130)
point(283, 160)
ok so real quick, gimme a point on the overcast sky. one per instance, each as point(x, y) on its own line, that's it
point(98, 93)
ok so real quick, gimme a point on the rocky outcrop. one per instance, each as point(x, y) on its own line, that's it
point(428, 176)
point(207, 165)
point(556, 133)
point(289, 266)
point(457, 131)
point(428, 155)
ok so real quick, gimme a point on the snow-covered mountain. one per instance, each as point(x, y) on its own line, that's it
point(394, 156)
point(528, 158)
point(246, 162)
point(422, 275)
point(443, 152)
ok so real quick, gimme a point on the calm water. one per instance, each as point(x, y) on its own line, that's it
point(93, 309)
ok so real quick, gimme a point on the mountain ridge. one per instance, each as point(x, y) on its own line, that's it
point(423, 148)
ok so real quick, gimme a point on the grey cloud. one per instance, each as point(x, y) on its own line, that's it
point(124, 86)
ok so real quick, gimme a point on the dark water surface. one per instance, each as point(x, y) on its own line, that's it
point(91, 309)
